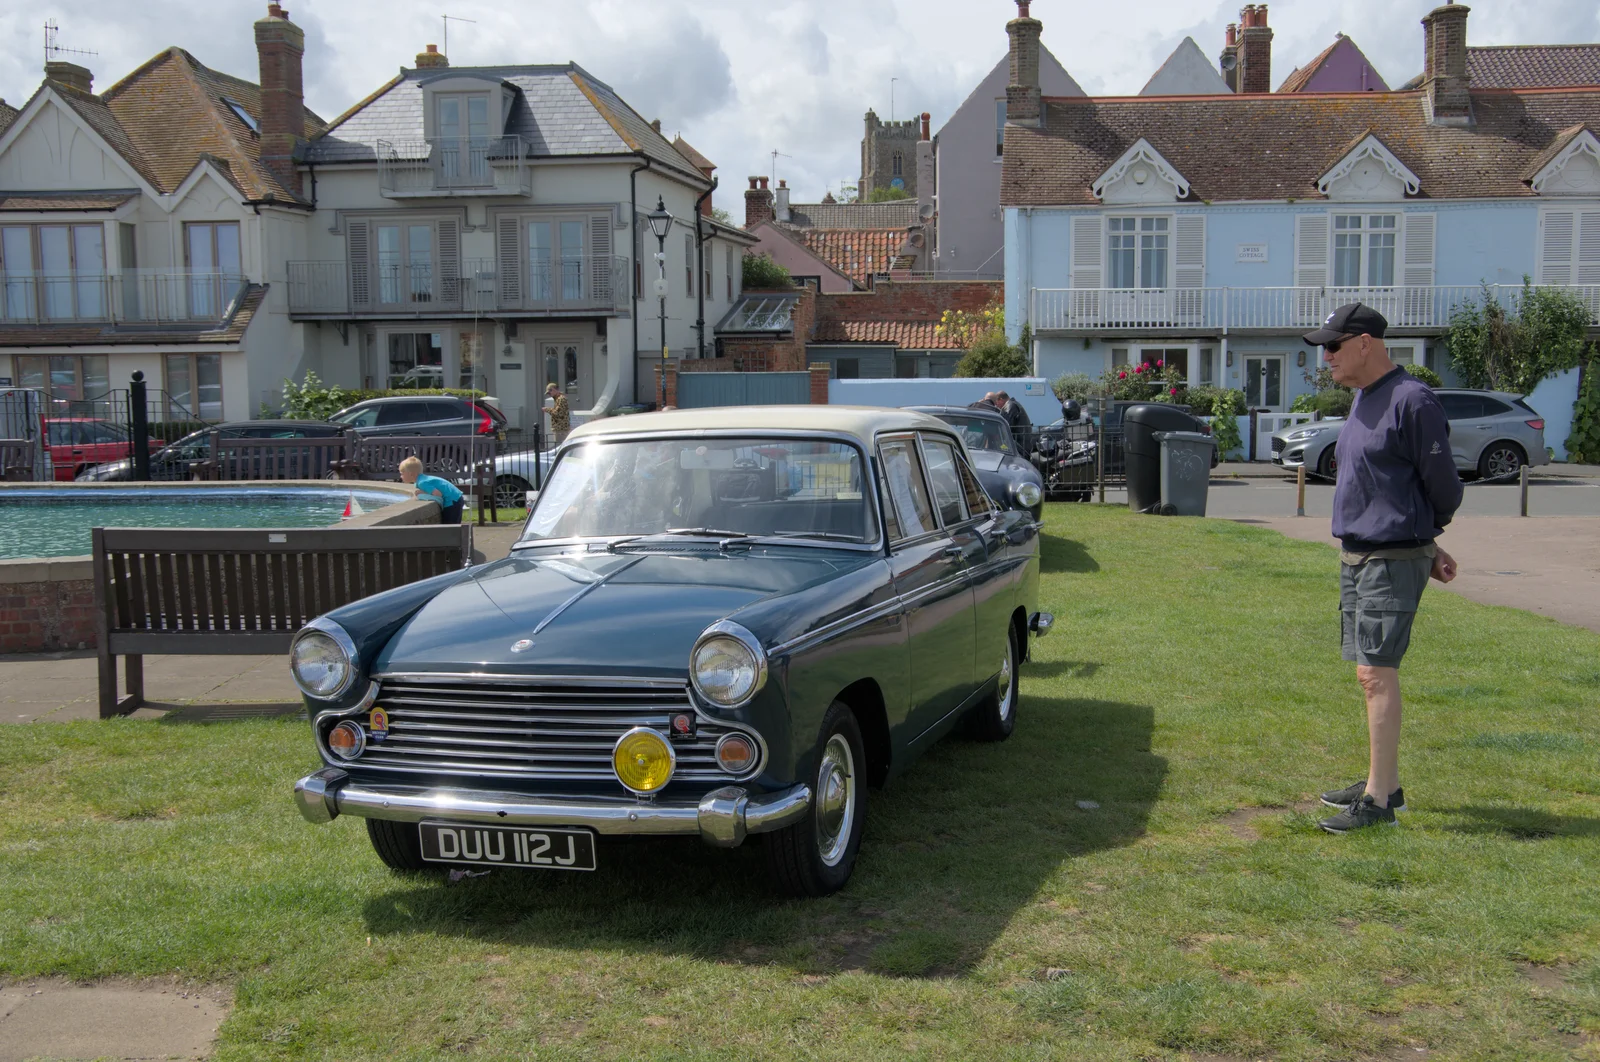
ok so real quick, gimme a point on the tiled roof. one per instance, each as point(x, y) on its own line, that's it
point(1276, 146)
point(95, 113)
point(907, 335)
point(44, 201)
point(1557, 146)
point(559, 110)
point(8, 114)
point(896, 214)
point(687, 150)
point(1534, 66)
point(857, 253)
point(232, 331)
point(175, 110)
point(1297, 80)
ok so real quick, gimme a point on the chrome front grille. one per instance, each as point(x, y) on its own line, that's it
point(546, 731)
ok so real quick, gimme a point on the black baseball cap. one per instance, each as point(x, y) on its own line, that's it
point(1351, 319)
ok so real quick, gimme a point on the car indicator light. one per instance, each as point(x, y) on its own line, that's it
point(347, 740)
point(736, 753)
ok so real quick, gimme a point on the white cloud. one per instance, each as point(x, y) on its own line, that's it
point(739, 79)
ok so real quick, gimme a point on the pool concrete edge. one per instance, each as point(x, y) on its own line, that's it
point(47, 603)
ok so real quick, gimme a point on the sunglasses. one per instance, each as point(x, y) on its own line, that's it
point(1333, 348)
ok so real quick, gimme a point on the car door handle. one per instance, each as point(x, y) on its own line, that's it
point(954, 551)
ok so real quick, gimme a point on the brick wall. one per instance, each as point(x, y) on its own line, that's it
point(1023, 97)
point(1255, 49)
point(280, 47)
point(47, 615)
point(919, 300)
point(819, 383)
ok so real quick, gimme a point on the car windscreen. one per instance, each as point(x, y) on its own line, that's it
point(745, 485)
point(979, 433)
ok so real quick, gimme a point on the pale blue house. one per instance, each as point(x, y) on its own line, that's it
point(1211, 232)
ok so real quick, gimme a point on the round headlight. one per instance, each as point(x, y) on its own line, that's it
point(1028, 495)
point(643, 760)
point(728, 665)
point(322, 662)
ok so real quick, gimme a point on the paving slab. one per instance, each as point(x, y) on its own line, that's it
point(1544, 564)
point(54, 1019)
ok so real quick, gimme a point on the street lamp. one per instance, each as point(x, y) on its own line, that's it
point(661, 224)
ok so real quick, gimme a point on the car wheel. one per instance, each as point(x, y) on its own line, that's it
point(1328, 464)
point(814, 857)
point(1501, 460)
point(397, 844)
point(511, 492)
point(995, 718)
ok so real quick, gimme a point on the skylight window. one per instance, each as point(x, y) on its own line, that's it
point(244, 115)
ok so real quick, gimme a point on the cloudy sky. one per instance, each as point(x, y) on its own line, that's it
point(742, 78)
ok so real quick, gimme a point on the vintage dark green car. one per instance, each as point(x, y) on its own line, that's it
point(716, 623)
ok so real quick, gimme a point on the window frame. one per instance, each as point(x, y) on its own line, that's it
point(80, 374)
point(38, 296)
point(196, 409)
point(1364, 247)
point(1138, 233)
point(558, 258)
point(925, 439)
point(897, 538)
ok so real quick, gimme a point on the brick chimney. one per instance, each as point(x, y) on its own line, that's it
point(1444, 64)
point(1024, 103)
point(1229, 61)
point(280, 45)
point(430, 58)
point(781, 201)
point(757, 203)
point(70, 76)
point(926, 118)
point(1255, 50)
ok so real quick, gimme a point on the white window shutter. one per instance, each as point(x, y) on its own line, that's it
point(508, 259)
point(1589, 247)
point(1189, 257)
point(1555, 246)
point(600, 259)
point(1416, 274)
point(359, 250)
point(1087, 258)
point(1310, 266)
point(448, 262)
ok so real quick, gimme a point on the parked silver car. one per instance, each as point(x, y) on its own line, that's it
point(1492, 435)
point(514, 476)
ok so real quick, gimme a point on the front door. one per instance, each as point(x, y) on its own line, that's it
point(1263, 382)
point(565, 364)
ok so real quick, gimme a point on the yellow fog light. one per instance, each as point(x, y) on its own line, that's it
point(643, 760)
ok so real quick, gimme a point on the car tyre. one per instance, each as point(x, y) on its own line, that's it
point(397, 843)
point(996, 717)
point(511, 492)
point(815, 856)
point(1328, 464)
point(1501, 460)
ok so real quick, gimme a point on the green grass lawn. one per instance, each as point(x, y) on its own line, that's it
point(1192, 690)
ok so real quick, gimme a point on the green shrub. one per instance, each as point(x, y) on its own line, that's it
point(312, 400)
point(1144, 382)
point(1076, 385)
point(761, 273)
point(1226, 404)
point(1203, 400)
point(1513, 350)
point(1425, 374)
point(1583, 445)
point(1334, 403)
point(991, 355)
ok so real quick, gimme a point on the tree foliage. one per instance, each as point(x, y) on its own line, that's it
point(1226, 407)
point(1425, 374)
point(1076, 385)
point(761, 273)
point(1583, 445)
point(1513, 348)
point(887, 195)
point(990, 355)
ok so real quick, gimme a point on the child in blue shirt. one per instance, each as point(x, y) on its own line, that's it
point(442, 491)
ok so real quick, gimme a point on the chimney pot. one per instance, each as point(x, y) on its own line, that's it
point(70, 76)
point(783, 184)
point(1233, 34)
point(926, 118)
point(757, 203)
point(753, 184)
point(430, 58)
point(275, 11)
point(763, 184)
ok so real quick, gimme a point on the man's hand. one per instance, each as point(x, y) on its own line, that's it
point(1444, 567)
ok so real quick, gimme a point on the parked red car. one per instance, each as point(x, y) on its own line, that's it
point(76, 443)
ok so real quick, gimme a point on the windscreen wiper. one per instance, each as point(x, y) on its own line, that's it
point(836, 536)
point(726, 537)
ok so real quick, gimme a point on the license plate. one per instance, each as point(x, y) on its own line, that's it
point(509, 846)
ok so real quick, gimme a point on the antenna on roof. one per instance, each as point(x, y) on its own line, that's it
point(52, 50)
point(776, 155)
point(447, 19)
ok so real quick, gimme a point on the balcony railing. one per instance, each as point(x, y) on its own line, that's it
point(1244, 309)
point(454, 166)
point(569, 284)
point(133, 297)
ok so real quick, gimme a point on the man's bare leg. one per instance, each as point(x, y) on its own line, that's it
point(1382, 687)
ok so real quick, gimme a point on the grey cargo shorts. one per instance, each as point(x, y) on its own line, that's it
point(1377, 602)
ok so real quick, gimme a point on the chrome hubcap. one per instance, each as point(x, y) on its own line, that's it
point(836, 800)
point(1006, 692)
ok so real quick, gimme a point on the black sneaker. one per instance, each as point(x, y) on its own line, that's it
point(1361, 813)
point(1343, 798)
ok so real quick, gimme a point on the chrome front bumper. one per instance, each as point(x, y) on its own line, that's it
point(1040, 623)
point(722, 817)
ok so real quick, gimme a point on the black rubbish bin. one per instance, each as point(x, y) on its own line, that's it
point(1140, 423)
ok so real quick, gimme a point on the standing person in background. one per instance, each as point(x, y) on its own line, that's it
point(560, 413)
point(1015, 415)
point(1397, 489)
point(450, 499)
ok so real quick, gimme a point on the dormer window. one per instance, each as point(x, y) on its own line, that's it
point(461, 140)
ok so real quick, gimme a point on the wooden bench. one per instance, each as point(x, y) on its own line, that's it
point(17, 458)
point(241, 592)
point(466, 462)
point(316, 457)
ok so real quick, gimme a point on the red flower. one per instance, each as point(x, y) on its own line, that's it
point(1122, 375)
point(1158, 364)
point(1173, 391)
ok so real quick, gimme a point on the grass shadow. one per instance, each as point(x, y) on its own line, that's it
point(953, 849)
point(1078, 669)
point(1059, 554)
point(1521, 823)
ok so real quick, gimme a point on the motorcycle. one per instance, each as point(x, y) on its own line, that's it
point(1067, 458)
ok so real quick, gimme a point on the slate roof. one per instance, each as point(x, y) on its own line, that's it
point(907, 335)
point(47, 201)
point(232, 331)
point(895, 214)
point(560, 109)
point(1275, 146)
point(1534, 65)
point(174, 110)
point(857, 253)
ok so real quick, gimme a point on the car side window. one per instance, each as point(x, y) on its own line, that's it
point(444, 411)
point(907, 510)
point(948, 492)
point(402, 412)
point(1493, 407)
point(978, 503)
point(60, 433)
point(1460, 407)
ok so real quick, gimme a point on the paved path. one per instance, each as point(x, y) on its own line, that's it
point(49, 1018)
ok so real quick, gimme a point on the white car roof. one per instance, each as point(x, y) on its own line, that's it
point(861, 422)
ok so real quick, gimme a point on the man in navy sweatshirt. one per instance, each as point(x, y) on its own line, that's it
point(1397, 488)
